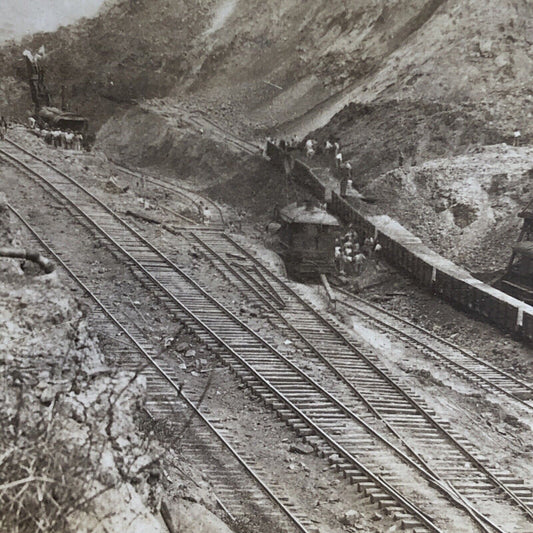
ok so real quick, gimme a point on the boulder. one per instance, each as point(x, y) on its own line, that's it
point(303, 449)
point(182, 347)
point(119, 509)
point(187, 517)
point(350, 518)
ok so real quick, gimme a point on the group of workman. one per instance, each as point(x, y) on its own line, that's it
point(311, 147)
point(352, 252)
point(331, 148)
point(69, 140)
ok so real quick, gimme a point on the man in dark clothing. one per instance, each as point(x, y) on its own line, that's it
point(344, 184)
point(3, 127)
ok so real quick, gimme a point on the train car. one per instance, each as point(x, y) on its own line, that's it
point(518, 279)
point(307, 240)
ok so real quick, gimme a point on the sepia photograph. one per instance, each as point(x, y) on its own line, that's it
point(266, 266)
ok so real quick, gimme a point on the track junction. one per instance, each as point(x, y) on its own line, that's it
point(365, 422)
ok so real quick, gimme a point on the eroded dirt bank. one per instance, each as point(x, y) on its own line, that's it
point(74, 454)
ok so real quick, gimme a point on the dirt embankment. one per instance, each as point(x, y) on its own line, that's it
point(378, 137)
point(464, 207)
point(145, 139)
point(74, 457)
point(286, 64)
point(274, 61)
point(165, 143)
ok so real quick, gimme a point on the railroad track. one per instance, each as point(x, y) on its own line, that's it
point(202, 120)
point(188, 194)
point(300, 402)
point(309, 409)
point(239, 486)
point(461, 361)
point(404, 414)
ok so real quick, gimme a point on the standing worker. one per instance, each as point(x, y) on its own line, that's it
point(359, 260)
point(348, 168)
point(207, 216)
point(3, 127)
point(344, 184)
point(309, 148)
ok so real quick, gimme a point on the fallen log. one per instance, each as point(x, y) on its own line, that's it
point(179, 215)
point(141, 216)
point(20, 253)
point(151, 220)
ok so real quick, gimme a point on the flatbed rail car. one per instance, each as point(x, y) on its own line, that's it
point(446, 279)
point(405, 250)
point(307, 240)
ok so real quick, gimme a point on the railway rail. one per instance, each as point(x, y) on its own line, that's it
point(202, 120)
point(308, 408)
point(239, 487)
point(192, 196)
point(404, 414)
point(461, 361)
point(247, 353)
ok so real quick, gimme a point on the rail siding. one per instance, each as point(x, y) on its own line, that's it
point(403, 249)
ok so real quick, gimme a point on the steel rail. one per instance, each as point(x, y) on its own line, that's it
point(155, 251)
point(411, 400)
point(451, 345)
point(243, 144)
point(404, 502)
point(178, 189)
point(164, 374)
point(422, 467)
point(239, 276)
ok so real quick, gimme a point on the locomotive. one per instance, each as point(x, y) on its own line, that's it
point(518, 279)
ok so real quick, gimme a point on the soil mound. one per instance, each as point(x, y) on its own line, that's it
point(465, 207)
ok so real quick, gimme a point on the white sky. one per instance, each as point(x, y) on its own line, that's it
point(20, 17)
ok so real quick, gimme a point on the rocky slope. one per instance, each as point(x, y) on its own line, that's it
point(73, 455)
point(277, 60)
point(466, 207)
point(424, 80)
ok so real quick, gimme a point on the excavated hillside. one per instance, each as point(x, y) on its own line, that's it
point(392, 80)
point(279, 59)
